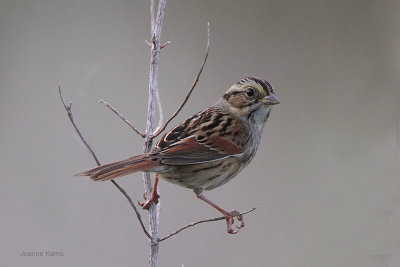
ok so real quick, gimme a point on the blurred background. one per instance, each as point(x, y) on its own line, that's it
point(326, 179)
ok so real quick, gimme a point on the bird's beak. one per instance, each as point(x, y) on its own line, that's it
point(270, 99)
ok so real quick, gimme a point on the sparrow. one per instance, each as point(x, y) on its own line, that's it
point(209, 148)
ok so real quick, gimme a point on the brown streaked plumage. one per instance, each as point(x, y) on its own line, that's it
point(209, 148)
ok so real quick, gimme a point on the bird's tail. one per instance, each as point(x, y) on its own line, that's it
point(121, 168)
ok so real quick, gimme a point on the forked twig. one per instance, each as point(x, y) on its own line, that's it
point(198, 222)
point(160, 130)
point(71, 118)
point(122, 118)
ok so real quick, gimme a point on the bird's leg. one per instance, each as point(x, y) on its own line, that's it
point(153, 196)
point(229, 216)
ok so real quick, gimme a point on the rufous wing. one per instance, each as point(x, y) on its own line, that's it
point(191, 151)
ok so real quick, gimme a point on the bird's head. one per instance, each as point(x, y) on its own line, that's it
point(251, 96)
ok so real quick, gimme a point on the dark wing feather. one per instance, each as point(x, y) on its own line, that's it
point(207, 136)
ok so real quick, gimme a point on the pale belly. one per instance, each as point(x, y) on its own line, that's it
point(207, 175)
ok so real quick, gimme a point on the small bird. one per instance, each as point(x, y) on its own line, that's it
point(209, 148)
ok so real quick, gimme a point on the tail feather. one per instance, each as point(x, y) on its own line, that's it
point(121, 168)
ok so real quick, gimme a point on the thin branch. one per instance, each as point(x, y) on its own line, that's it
point(198, 222)
point(160, 111)
point(122, 117)
point(133, 206)
point(164, 44)
point(156, 26)
point(159, 131)
point(161, 46)
point(71, 118)
point(148, 43)
point(152, 15)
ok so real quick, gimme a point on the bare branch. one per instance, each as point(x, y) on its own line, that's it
point(133, 206)
point(161, 46)
point(71, 118)
point(152, 15)
point(164, 44)
point(148, 43)
point(160, 111)
point(122, 117)
point(198, 222)
point(153, 95)
point(159, 131)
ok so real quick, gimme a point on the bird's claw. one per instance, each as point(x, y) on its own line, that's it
point(153, 198)
point(230, 221)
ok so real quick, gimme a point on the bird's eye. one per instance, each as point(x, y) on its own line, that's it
point(250, 92)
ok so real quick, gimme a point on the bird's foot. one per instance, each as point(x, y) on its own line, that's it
point(230, 220)
point(153, 198)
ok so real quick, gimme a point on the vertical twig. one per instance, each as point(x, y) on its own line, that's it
point(156, 25)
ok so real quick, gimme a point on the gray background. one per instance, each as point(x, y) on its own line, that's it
point(326, 177)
